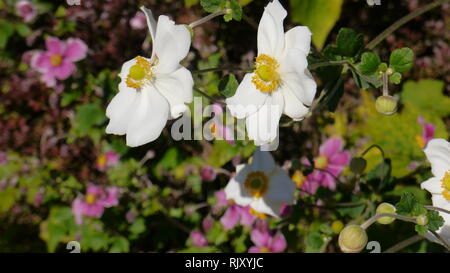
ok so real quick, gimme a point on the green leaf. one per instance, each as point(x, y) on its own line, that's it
point(380, 175)
point(348, 42)
point(89, 115)
point(401, 60)
point(6, 30)
point(395, 78)
point(138, 226)
point(369, 63)
point(319, 15)
point(410, 206)
point(119, 245)
point(212, 6)
point(236, 11)
point(435, 221)
point(23, 30)
point(228, 85)
point(314, 242)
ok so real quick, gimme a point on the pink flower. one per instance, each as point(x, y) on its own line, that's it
point(265, 242)
point(198, 239)
point(428, 130)
point(95, 201)
point(207, 223)
point(4, 158)
point(107, 160)
point(57, 61)
point(26, 10)
point(330, 163)
point(235, 214)
point(208, 173)
point(138, 21)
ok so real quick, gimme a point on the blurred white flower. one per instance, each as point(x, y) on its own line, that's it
point(262, 185)
point(152, 90)
point(281, 82)
point(438, 153)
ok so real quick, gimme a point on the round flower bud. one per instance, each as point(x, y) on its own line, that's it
point(386, 208)
point(386, 105)
point(352, 239)
point(337, 226)
point(389, 71)
point(422, 220)
point(357, 165)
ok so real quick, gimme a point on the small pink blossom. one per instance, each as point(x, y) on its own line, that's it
point(265, 242)
point(198, 239)
point(428, 130)
point(207, 223)
point(95, 201)
point(3, 158)
point(329, 164)
point(26, 10)
point(138, 21)
point(235, 214)
point(107, 160)
point(208, 173)
point(57, 63)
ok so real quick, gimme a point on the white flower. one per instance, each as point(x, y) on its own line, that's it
point(438, 153)
point(262, 185)
point(281, 82)
point(152, 90)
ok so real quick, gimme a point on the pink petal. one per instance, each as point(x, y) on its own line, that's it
point(55, 46)
point(230, 218)
point(95, 210)
point(328, 181)
point(340, 159)
point(49, 78)
point(41, 61)
point(254, 249)
point(198, 239)
point(76, 50)
point(247, 218)
point(77, 210)
point(63, 71)
point(112, 197)
point(260, 238)
point(278, 243)
point(221, 198)
point(331, 146)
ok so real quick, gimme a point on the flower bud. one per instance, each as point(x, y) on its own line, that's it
point(386, 208)
point(208, 173)
point(422, 220)
point(352, 239)
point(357, 165)
point(337, 226)
point(386, 105)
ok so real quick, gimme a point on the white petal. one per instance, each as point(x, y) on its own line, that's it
point(171, 45)
point(302, 86)
point(262, 161)
point(120, 109)
point(293, 107)
point(260, 205)
point(247, 99)
point(438, 153)
point(299, 38)
point(126, 68)
point(262, 126)
point(271, 37)
point(176, 87)
point(433, 185)
point(440, 202)
point(235, 188)
point(151, 23)
point(148, 118)
point(293, 62)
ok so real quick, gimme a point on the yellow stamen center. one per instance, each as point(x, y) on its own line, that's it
point(56, 60)
point(140, 73)
point(321, 162)
point(256, 184)
point(258, 214)
point(446, 185)
point(90, 198)
point(266, 77)
point(298, 178)
point(264, 250)
point(101, 160)
point(420, 141)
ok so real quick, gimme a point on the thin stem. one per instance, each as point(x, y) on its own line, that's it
point(374, 218)
point(411, 240)
point(385, 84)
point(437, 209)
point(371, 45)
point(327, 63)
point(207, 96)
point(217, 69)
point(442, 239)
point(374, 146)
point(208, 18)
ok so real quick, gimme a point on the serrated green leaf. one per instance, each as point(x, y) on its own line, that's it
point(228, 85)
point(395, 78)
point(212, 6)
point(369, 63)
point(401, 60)
point(236, 11)
point(435, 221)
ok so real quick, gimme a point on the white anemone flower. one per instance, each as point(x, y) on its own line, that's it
point(281, 82)
point(152, 90)
point(438, 153)
point(262, 185)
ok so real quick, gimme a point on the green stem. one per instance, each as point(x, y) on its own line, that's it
point(327, 63)
point(374, 218)
point(371, 45)
point(442, 239)
point(208, 18)
point(371, 147)
point(207, 96)
point(437, 209)
point(403, 244)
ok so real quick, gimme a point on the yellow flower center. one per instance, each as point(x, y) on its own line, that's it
point(258, 214)
point(90, 198)
point(140, 73)
point(266, 77)
point(446, 185)
point(321, 162)
point(101, 160)
point(256, 184)
point(420, 141)
point(298, 178)
point(264, 250)
point(56, 60)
